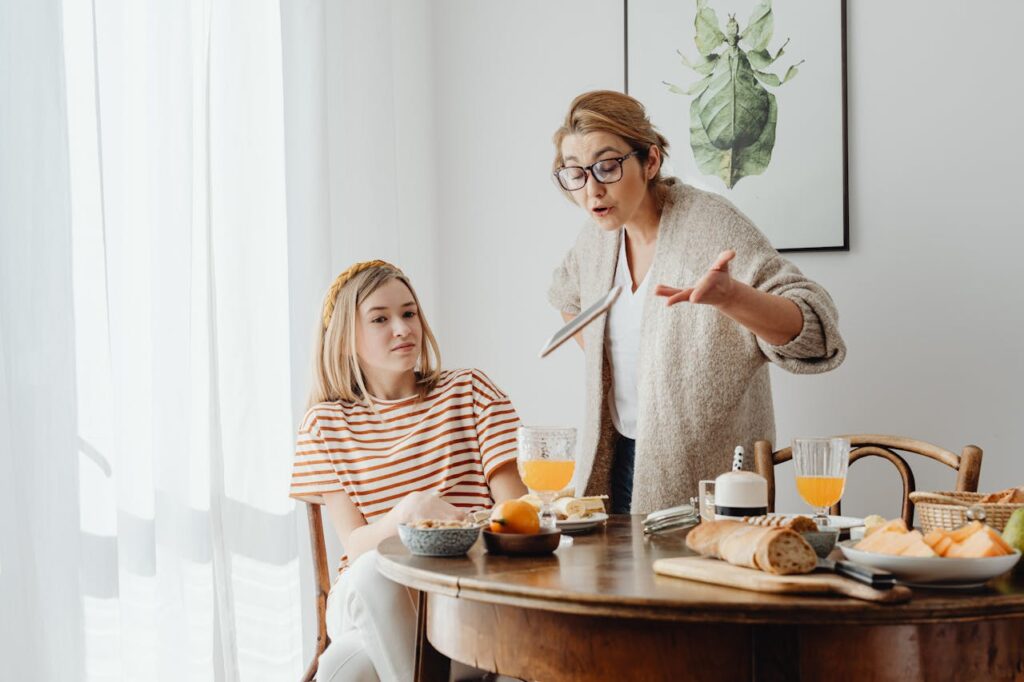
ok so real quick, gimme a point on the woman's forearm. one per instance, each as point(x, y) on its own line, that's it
point(775, 319)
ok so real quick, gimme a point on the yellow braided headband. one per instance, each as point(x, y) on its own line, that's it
point(340, 280)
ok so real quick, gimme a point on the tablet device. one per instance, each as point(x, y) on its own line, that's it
point(599, 308)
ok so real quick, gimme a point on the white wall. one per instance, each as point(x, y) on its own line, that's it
point(439, 119)
point(930, 310)
point(930, 313)
point(505, 74)
point(360, 162)
point(440, 130)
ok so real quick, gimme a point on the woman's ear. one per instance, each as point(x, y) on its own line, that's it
point(653, 162)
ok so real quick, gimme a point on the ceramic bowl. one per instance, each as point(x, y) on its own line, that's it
point(823, 540)
point(544, 542)
point(935, 569)
point(438, 541)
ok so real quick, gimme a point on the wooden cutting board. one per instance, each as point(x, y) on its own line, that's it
point(706, 570)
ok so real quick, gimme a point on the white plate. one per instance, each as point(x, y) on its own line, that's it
point(933, 569)
point(840, 522)
point(581, 524)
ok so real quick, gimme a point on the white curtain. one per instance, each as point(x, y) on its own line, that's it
point(146, 394)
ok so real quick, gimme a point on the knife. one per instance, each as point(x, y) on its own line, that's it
point(880, 580)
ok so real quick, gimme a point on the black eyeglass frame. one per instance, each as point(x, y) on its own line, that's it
point(588, 171)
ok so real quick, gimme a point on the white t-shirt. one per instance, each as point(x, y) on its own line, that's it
point(623, 345)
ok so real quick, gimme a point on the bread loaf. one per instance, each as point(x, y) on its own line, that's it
point(1008, 496)
point(773, 550)
point(801, 524)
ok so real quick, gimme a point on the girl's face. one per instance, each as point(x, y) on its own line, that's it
point(388, 330)
point(614, 204)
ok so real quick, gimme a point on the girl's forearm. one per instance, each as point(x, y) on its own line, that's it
point(505, 484)
point(775, 319)
point(367, 537)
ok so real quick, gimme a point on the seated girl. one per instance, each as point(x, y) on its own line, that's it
point(390, 437)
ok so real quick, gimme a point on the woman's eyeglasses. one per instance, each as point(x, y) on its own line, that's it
point(605, 171)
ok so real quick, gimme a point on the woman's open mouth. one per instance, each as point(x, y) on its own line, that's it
point(602, 211)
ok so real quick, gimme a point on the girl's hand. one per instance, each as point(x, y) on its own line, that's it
point(426, 505)
point(715, 288)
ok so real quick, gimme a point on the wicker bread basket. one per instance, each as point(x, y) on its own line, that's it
point(937, 510)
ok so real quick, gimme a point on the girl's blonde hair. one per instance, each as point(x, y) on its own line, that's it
point(336, 372)
point(612, 112)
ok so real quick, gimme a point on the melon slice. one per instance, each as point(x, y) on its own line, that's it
point(976, 546)
point(894, 526)
point(889, 542)
point(943, 545)
point(876, 541)
point(998, 540)
point(964, 532)
point(933, 537)
point(916, 546)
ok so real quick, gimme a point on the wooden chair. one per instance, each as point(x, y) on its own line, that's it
point(430, 663)
point(967, 464)
point(322, 576)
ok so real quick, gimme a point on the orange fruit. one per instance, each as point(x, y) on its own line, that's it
point(515, 516)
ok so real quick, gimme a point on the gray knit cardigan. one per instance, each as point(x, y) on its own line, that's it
point(703, 379)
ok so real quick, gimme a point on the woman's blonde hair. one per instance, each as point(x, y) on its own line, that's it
point(336, 372)
point(612, 112)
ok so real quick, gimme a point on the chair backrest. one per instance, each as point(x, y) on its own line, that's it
point(322, 575)
point(967, 464)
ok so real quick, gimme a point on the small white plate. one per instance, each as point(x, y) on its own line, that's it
point(933, 569)
point(840, 522)
point(575, 526)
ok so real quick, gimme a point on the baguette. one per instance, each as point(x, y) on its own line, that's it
point(577, 506)
point(773, 550)
point(801, 524)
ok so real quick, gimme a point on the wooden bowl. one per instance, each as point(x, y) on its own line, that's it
point(519, 544)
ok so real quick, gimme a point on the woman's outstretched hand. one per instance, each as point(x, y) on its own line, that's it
point(715, 288)
point(774, 318)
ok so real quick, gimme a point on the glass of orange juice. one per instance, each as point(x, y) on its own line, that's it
point(546, 464)
point(821, 472)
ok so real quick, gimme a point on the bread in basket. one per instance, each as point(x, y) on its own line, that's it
point(948, 510)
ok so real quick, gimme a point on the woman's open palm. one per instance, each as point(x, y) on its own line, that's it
point(714, 288)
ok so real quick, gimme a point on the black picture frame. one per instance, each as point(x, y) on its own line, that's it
point(779, 217)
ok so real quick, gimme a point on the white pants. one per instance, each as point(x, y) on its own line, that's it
point(372, 624)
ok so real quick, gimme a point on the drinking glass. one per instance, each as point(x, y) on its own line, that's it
point(706, 495)
point(821, 472)
point(546, 464)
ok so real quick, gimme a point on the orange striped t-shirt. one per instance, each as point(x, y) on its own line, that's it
point(451, 442)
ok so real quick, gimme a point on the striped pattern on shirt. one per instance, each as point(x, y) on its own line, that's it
point(451, 442)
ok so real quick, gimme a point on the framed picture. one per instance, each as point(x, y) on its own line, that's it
point(751, 95)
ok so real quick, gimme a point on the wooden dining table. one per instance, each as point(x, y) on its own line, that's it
point(596, 610)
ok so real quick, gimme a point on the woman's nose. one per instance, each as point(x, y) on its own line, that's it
point(594, 188)
point(400, 328)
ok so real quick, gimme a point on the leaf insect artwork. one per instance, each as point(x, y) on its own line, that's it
point(732, 114)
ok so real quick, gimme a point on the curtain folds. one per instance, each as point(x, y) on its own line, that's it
point(146, 419)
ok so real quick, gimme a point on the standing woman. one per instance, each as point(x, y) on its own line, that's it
point(677, 374)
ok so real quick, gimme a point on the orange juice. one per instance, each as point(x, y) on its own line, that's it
point(820, 491)
point(549, 475)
